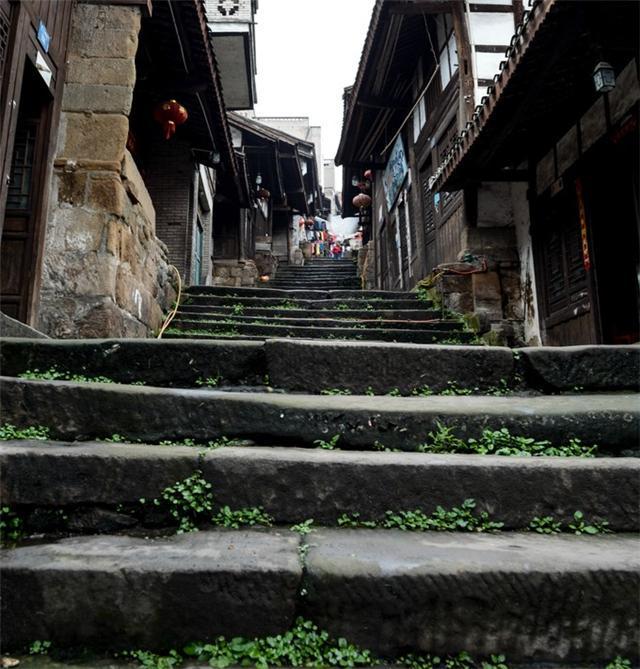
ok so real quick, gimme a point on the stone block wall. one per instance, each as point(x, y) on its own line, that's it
point(235, 273)
point(105, 273)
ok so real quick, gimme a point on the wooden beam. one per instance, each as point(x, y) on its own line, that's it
point(498, 175)
point(379, 103)
point(413, 7)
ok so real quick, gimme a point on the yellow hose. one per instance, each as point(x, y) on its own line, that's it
point(171, 316)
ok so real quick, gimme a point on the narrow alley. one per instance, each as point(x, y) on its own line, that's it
point(320, 334)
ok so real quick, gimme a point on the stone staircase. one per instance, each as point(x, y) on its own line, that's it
point(304, 439)
point(318, 274)
point(320, 300)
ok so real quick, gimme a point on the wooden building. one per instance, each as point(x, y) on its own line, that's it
point(564, 145)
point(283, 180)
point(99, 202)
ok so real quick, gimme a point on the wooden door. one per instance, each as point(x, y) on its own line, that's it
point(20, 231)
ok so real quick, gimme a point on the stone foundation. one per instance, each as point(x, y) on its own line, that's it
point(105, 273)
point(238, 273)
point(489, 294)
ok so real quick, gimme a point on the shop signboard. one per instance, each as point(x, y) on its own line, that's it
point(395, 173)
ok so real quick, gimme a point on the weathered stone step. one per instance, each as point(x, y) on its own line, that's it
point(301, 294)
point(223, 311)
point(425, 335)
point(122, 592)
point(94, 410)
point(315, 285)
point(293, 484)
point(316, 305)
point(401, 366)
point(532, 598)
point(390, 591)
point(189, 321)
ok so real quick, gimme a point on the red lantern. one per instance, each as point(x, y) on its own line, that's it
point(361, 201)
point(170, 114)
point(368, 175)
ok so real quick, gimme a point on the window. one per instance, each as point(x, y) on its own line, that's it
point(420, 113)
point(447, 50)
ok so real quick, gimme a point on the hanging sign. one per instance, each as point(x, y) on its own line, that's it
point(43, 37)
point(395, 173)
point(586, 257)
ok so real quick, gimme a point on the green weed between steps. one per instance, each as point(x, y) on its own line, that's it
point(54, 374)
point(331, 445)
point(210, 381)
point(11, 527)
point(190, 502)
point(9, 432)
point(501, 442)
point(304, 645)
point(459, 519)
point(579, 525)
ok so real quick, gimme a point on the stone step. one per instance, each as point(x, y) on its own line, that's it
point(389, 591)
point(223, 291)
point(85, 480)
point(189, 322)
point(317, 305)
point(94, 410)
point(223, 311)
point(122, 592)
point(286, 362)
point(305, 285)
point(447, 332)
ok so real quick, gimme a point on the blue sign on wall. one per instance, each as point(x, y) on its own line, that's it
point(43, 37)
point(395, 173)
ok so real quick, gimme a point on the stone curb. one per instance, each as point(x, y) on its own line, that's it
point(151, 414)
point(296, 484)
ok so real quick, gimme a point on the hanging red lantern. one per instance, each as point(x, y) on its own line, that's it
point(361, 201)
point(170, 114)
point(368, 175)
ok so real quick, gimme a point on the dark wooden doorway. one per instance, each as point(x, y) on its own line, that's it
point(22, 232)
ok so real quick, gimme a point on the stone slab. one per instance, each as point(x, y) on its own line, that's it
point(302, 294)
point(592, 368)
point(383, 367)
point(89, 410)
point(10, 327)
point(529, 597)
point(122, 592)
point(317, 305)
point(156, 362)
point(295, 484)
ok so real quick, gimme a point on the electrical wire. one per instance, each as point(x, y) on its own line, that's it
point(177, 305)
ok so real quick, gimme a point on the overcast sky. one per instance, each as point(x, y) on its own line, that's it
point(307, 52)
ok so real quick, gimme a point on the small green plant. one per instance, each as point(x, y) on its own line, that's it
point(116, 439)
point(369, 392)
point(619, 663)
point(582, 526)
point(150, 660)
point(457, 519)
point(394, 392)
point(545, 525)
point(187, 501)
point(303, 528)
point(422, 391)
point(288, 305)
point(210, 381)
point(11, 526)
point(226, 517)
point(39, 647)
point(303, 646)
point(55, 375)
point(9, 432)
point(342, 306)
point(237, 309)
point(330, 445)
point(453, 389)
point(335, 391)
point(500, 442)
